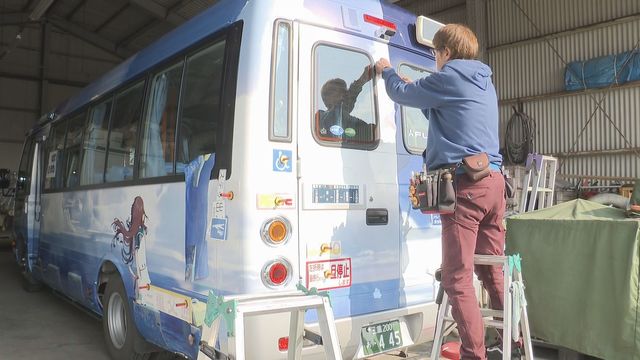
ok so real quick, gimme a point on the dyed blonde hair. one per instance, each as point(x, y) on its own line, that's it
point(459, 39)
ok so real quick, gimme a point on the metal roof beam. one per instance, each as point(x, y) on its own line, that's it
point(158, 11)
point(75, 9)
point(17, 18)
point(40, 9)
point(111, 18)
point(90, 37)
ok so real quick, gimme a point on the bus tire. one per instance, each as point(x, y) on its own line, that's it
point(29, 283)
point(119, 328)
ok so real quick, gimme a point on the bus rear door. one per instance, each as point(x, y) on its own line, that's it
point(348, 213)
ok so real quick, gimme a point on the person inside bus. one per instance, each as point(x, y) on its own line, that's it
point(461, 104)
point(336, 122)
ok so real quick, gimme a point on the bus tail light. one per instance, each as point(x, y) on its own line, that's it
point(276, 273)
point(283, 343)
point(276, 231)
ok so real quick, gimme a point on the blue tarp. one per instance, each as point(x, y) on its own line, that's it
point(603, 71)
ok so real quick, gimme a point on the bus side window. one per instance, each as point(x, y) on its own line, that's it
point(54, 158)
point(279, 129)
point(344, 112)
point(123, 133)
point(414, 125)
point(200, 120)
point(23, 183)
point(158, 144)
point(73, 150)
point(95, 144)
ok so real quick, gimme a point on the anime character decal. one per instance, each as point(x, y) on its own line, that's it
point(131, 237)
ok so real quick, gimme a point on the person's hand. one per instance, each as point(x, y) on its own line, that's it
point(366, 75)
point(406, 79)
point(381, 65)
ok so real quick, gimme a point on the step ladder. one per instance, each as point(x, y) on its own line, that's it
point(512, 270)
point(539, 182)
point(234, 309)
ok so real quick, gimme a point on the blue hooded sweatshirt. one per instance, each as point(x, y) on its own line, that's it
point(462, 107)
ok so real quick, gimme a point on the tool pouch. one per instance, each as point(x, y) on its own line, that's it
point(433, 192)
point(476, 166)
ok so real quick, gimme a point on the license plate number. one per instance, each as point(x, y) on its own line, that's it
point(381, 337)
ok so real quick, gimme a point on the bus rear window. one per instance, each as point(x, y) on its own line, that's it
point(414, 124)
point(344, 108)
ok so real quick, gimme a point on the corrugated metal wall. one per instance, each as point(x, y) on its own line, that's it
point(506, 23)
point(527, 68)
point(532, 68)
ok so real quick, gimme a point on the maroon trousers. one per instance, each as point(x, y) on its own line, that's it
point(474, 228)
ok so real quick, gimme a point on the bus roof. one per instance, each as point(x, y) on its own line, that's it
point(220, 15)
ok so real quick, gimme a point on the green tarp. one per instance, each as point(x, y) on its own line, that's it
point(580, 263)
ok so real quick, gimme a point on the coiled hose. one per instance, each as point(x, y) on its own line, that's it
point(519, 136)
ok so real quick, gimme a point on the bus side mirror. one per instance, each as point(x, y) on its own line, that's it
point(5, 178)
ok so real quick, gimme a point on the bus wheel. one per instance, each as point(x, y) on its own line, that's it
point(119, 328)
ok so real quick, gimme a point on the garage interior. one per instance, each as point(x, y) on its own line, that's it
point(50, 49)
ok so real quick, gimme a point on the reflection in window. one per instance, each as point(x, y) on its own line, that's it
point(73, 150)
point(415, 125)
point(158, 146)
point(280, 100)
point(344, 110)
point(123, 134)
point(95, 144)
point(54, 157)
point(201, 115)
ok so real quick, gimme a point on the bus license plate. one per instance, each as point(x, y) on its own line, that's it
point(381, 337)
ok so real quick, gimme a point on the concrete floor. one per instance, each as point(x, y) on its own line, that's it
point(41, 325)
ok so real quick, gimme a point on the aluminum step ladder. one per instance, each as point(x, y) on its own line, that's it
point(512, 270)
point(539, 182)
point(234, 309)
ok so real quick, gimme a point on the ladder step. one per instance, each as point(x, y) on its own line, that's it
point(540, 189)
point(491, 313)
point(489, 259)
point(265, 306)
point(487, 322)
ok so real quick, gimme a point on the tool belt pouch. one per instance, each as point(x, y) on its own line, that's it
point(476, 167)
point(433, 192)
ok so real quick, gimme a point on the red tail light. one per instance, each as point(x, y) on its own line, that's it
point(276, 273)
point(283, 343)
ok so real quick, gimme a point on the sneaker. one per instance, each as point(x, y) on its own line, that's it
point(494, 352)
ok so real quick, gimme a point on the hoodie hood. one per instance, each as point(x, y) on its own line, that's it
point(473, 71)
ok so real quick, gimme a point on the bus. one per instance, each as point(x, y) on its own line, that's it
point(247, 151)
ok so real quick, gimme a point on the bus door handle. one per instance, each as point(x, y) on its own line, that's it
point(377, 216)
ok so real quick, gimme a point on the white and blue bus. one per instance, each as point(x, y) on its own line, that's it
point(245, 152)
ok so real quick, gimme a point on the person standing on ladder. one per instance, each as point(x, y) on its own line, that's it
point(461, 104)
